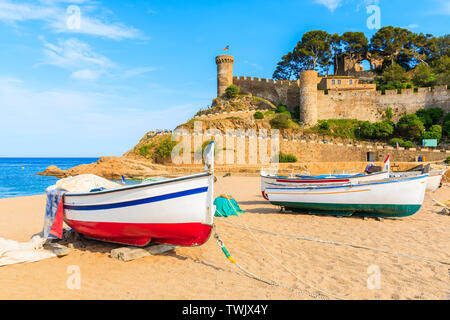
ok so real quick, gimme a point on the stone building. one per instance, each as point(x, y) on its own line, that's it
point(333, 97)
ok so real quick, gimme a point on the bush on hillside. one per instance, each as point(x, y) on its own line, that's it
point(393, 142)
point(410, 126)
point(258, 115)
point(435, 132)
point(231, 91)
point(446, 128)
point(164, 150)
point(281, 121)
point(286, 157)
point(407, 144)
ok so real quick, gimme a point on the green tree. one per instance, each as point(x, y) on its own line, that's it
point(316, 45)
point(389, 42)
point(423, 76)
point(410, 126)
point(446, 128)
point(355, 46)
point(232, 90)
point(383, 129)
point(441, 68)
point(281, 121)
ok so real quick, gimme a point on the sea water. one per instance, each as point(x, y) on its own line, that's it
point(18, 175)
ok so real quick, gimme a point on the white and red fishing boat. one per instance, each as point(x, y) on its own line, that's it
point(176, 211)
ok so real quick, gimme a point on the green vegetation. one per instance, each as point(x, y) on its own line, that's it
point(258, 115)
point(410, 126)
point(281, 121)
point(447, 160)
point(345, 128)
point(389, 114)
point(424, 124)
point(231, 91)
point(409, 59)
point(145, 150)
point(164, 150)
point(269, 112)
point(401, 143)
point(286, 157)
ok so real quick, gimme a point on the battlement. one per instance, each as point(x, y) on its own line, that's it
point(332, 97)
point(273, 82)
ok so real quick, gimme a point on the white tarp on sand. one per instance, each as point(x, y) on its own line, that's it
point(12, 252)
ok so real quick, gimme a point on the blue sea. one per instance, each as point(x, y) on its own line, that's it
point(18, 175)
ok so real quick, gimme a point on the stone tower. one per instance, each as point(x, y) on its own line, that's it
point(308, 97)
point(224, 72)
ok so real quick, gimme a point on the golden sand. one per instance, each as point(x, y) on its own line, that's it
point(204, 273)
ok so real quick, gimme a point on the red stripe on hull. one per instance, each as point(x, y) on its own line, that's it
point(312, 181)
point(140, 234)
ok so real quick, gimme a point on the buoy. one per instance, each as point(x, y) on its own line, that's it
point(23, 168)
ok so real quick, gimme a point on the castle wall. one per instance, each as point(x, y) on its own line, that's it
point(371, 105)
point(279, 92)
point(246, 151)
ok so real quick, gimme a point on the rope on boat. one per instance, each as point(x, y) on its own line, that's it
point(339, 244)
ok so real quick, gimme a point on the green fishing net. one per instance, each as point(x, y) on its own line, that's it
point(226, 207)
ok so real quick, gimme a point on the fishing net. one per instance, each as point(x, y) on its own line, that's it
point(226, 206)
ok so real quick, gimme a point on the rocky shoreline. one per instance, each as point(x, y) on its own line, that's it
point(115, 167)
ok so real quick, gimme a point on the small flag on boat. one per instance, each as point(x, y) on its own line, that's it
point(123, 180)
point(387, 164)
point(226, 48)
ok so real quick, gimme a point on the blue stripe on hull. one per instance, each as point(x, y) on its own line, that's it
point(137, 202)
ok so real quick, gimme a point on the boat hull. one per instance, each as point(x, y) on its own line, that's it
point(174, 212)
point(269, 181)
point(392, 198)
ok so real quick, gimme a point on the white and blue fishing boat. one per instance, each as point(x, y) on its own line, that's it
point(393, 197)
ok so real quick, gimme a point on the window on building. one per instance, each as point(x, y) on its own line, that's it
point(350, 81)
point(339, 81)
point(333, 81)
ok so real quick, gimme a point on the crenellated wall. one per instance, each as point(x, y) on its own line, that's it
point(365, 103)
point(371, 105)
point(279, 92)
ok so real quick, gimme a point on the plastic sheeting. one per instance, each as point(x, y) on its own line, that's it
point(85, 183)
point(12, 252)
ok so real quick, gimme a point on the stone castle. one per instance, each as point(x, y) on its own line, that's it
point(332, 97)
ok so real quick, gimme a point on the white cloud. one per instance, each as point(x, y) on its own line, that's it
point(78, 57)
point(85, 74)
point(73, 53)
point(411, 26)
point(55, 17)
point(330, 4)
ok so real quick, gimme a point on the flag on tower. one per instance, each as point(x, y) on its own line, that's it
point(226, 48)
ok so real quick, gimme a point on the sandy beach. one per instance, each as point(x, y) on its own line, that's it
point(204, 272)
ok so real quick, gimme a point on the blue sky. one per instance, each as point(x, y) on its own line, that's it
point(95, 88)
